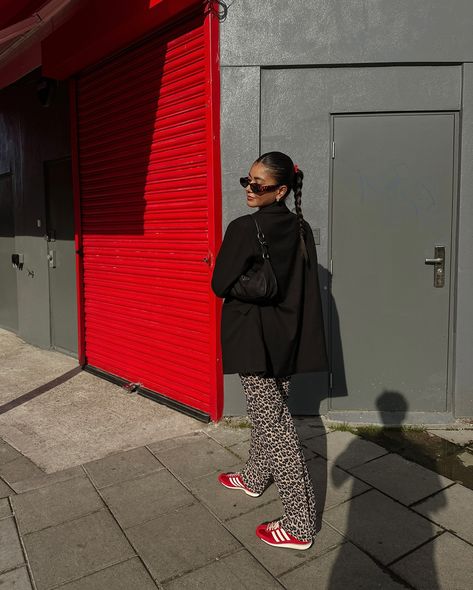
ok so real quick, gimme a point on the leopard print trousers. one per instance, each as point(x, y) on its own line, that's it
point(276, 454)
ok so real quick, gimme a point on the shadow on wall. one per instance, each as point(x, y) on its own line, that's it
point(310, 392)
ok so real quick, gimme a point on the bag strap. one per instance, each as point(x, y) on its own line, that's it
point(260, 236)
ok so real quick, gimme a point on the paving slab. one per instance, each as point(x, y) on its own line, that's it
point(167, 444)
point(228, 503)
point(345, 567)
point(18, 470)
point(401, 479)
point(24, 367)
point(380, 526)
point(122, 466)
point(181, 541)
point(452, 509)
point(466, 457)
point(277, 561)
point(344, 448)
point(241, 449)
point(11, 554)
point(8, 453)
point(444, 564)
point(227, 435)
point(144, 498)
point(5, 490)
point(458, 437)
point(76, 548)
point(54, 504)
point(239, 570)
point(5, 509)
point(81, 420)
point(308, 428)
point(41, 480)
point(16, 580)
point(199, 458)
point(332, 485)
point(128, 575)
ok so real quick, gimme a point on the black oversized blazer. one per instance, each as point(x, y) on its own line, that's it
point(281, 338)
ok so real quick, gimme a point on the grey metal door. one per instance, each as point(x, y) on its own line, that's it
point(8, 287)
point(393, 185)
point(61, 254)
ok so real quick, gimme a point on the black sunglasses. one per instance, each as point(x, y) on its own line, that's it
point(255, 187)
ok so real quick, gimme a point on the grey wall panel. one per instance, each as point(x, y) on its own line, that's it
point(239, 145)
point(295, 117)
point(240, 133)
point(234, 397)
point(277, 32)
point(464, 320)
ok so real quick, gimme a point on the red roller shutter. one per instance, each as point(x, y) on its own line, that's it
point(147, 213)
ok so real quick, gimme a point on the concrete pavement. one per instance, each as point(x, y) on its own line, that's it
point(153, 515)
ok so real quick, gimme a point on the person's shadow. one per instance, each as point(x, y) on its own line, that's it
point(369, 535)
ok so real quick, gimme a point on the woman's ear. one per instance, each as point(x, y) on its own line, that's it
point(282, 190)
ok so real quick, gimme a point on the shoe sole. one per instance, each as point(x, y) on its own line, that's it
point(242, 489)
point(288, 545)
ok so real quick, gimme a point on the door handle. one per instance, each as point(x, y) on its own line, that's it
point(439, 265)
point(433, 260)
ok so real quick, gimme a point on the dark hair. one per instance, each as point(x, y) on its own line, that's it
point(282, 169)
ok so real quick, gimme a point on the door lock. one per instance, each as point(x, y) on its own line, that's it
point(439, 265)
point(52, 258)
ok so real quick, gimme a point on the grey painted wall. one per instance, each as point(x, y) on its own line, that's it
point(279, 89)
point(464, 313)
point(29, 135)
point(278, 32)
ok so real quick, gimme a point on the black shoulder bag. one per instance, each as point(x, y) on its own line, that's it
point(259, 284)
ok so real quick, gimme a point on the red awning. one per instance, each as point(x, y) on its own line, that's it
point(23, 25)
point(14, 11)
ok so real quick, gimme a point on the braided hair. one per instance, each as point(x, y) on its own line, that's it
point(284, 172)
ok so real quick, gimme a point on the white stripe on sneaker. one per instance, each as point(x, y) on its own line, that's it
point(276, 538)
point(280, 535)
point(235, 481)
point(285, 535)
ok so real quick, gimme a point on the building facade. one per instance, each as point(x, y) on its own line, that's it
point(122, 147)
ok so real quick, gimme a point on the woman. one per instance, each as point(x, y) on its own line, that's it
point(267, 343)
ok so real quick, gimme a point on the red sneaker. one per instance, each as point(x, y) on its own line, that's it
point(234, 482)
point(273, 534)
